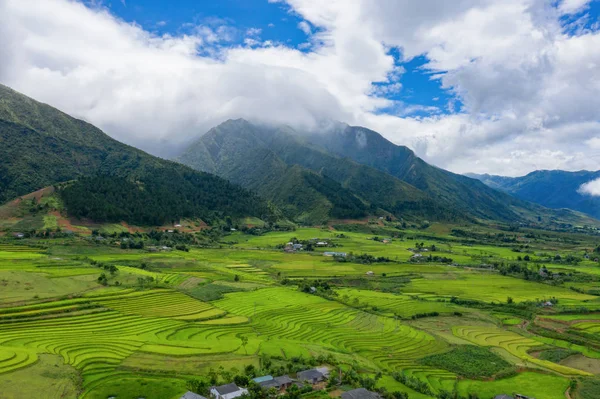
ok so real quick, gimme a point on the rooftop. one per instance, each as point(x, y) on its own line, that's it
point(360, 393)
point(227, 388)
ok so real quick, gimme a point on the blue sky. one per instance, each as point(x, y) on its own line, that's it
point(485, 86)
point(420, 95)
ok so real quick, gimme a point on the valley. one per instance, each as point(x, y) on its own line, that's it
point(130, 323)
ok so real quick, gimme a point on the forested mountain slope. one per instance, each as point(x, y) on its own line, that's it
point(278, 164)
point(41, 146)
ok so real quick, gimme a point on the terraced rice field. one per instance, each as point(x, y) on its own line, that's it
point(144, 340)
point(388, 304)
point(514, 344)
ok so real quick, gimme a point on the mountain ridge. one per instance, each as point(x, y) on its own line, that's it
point(42, 146)
point(555, 189)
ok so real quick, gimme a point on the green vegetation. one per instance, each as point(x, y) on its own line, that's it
point(470, 361)
point(42, 146)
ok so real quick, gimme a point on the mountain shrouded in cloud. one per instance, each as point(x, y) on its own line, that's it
point(518, 79)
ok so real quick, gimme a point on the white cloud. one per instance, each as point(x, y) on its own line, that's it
point(305, 27)
point(590, 188)
point(528, 89)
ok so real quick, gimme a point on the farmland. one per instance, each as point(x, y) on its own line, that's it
point(87, 317)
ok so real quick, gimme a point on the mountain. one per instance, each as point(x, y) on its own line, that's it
point(550, 188)
point(361, 166)
point(282, 166)
point(41, 146)
point(465, 194)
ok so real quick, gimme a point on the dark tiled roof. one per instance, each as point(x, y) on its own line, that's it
point(309, 375)
point(284, 379)
point(360, 393)
point(269, 384)
point(227, 388)
point(191, 395)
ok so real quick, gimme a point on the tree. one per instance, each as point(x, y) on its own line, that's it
point(509, 300)
point(236, 278)
point(197, 386)
point(241, 380)
point(103, 280)
point(244, 342)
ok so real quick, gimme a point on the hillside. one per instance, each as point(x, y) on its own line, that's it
point(41, 146)
point(551, 188)
point(304, 179)
point(386, 177)
point(469, 195)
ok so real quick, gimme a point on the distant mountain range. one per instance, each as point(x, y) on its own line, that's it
point(267, 172)
point(41, 146)
point(550, 188)
point(347, 172)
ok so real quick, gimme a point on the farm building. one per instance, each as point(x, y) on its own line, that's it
point(370, 273)
point(360, 393)
point(227, 391)
point(264, 378)
point(313, 376)
point(191, 395)
point(321, 244)
point(324, 371)
point(280, 383)
point(19, 235)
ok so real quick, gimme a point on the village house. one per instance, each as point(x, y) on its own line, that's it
point(280, 383)
point(19, 235)
point(324, 371)
point(360, 393)
point(312, 376)
point(370, 273)
point(191, 395)
point(322, 244)
point(227, 391)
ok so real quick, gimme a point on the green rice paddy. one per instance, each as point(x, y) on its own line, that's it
point(150, 329)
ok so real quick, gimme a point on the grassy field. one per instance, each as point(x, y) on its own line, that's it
point(159, 319)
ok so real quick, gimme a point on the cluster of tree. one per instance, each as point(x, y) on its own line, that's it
point(431, 258)
point(423, 315)
point(319, 287)
point(159, 197)
point(365, 259)
point(47, 233)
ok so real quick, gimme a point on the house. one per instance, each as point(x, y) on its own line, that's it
point(227, 391)
point(519, 396)
point(370, 273)
point(503, 396)
point(547, 304)
point(340, 254)
point(191, 395)
point(324, 371)
point(313, 290)
point(178, 225)
point(19, 235)
point(264, 378)
point(280, 383)
point(284, 381)
point(297, 247)
point(169, 231)
point(360, 393)
point(312, 376)
point(321, 244)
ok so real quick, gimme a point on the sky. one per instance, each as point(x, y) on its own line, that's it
point(484, 86)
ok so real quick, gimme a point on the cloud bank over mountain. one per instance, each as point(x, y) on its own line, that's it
point(523, 75)
point(591, 188)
